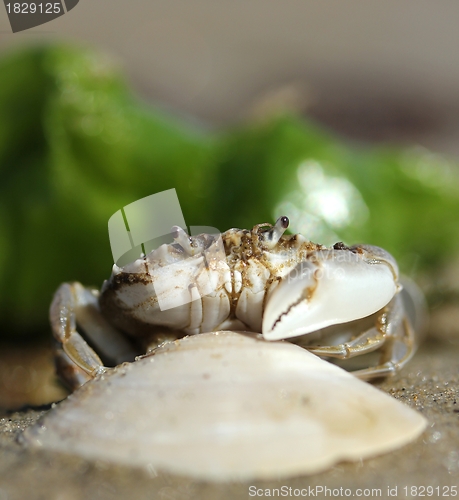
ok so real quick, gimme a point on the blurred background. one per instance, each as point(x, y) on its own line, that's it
point(371, 69)
point(342, 115)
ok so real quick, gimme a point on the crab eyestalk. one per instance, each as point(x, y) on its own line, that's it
point(272, 236)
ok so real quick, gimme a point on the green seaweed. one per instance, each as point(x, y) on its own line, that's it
point(76, 145)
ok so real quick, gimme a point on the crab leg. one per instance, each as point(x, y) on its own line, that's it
point(401, 340)
point(68, 371)
point(368, 341)
point(399, 351)
point(386, 325)
point(73, 306)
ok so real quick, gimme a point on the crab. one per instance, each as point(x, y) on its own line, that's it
point(341, 303)
point(231, 330)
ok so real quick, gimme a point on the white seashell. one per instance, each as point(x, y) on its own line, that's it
point(221, 406)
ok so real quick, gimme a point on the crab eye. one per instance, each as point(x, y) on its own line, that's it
point(284, 222)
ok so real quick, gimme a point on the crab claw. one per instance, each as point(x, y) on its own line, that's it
point(331, 287)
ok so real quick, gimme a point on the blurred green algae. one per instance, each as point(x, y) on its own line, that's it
point(403, 199)
point(76, 145)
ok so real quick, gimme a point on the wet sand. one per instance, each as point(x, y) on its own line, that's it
point(430, 384)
